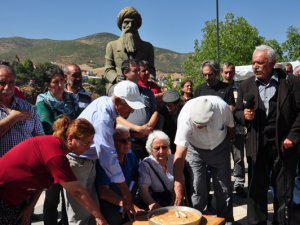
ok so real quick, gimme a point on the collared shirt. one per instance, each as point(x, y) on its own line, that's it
point(22, 130)
point(102, 115)
point(210, 136)
point(267, 91)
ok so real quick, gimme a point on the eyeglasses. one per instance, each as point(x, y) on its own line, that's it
point(4, 83)
point(85, 143)
point(163, 147)
point(124, 140)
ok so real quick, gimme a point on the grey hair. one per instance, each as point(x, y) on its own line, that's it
point(296, 69)
point(271, 52)
point(213, 65)
point(156, 134)
point(120, 128)
point(8, 69)
point(227, 64)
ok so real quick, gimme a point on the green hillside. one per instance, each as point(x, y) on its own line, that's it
point(80, 51)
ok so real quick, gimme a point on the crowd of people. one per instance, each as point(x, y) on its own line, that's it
point(141, 147)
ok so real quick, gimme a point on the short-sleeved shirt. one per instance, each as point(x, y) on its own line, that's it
point(221, 89)
point(147, 176)
point(130, 170)
point(213, 134)
point(32, 165)
point(22, 130)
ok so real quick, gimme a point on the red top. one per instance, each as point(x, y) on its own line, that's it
point(32, 165)
point(151, 85)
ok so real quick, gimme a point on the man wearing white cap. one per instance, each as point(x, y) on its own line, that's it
point(201, 139)
point(102, 113)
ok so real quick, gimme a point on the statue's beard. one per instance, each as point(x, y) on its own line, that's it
point(130, 41)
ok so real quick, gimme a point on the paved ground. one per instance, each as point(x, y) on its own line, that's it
point(239, 209)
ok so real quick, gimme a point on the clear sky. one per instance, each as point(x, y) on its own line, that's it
point(170, 24)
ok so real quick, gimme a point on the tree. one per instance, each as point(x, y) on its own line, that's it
point(291, 47)
point(276, 46)
point(28, 65)
point(237, 42)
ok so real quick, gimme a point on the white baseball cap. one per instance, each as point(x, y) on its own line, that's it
point(129, 91)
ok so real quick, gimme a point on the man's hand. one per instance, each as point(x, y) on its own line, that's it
point(128, 208)
point(179, 194)
point(286, 144)
point(20, 115)
point(143, 131)
point(101, 221)
point(249, 114)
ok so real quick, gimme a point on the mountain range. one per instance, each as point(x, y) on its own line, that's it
point(89, 49)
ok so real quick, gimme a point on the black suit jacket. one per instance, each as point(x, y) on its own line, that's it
point(287, 117)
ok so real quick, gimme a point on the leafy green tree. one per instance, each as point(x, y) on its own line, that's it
point(237, 41)
point(276, 46)
point(291, 47)
point(28, 65)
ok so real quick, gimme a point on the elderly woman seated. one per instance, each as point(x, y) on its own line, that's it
point(156, 172)
point(109, 194)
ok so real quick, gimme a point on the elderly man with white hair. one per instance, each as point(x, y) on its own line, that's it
point(202, 140)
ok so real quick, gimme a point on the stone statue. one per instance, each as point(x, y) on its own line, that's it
point(129, 45)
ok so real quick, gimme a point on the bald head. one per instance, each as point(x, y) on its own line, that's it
point(73, 77)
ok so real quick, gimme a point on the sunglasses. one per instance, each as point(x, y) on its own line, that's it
point(124, 140)
point(163, 147)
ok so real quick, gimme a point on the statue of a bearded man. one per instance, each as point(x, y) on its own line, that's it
point(129, 45)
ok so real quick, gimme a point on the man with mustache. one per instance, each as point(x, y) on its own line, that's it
point(73, 78)
point(273, 134)
point(128, 46)
point(18, 119)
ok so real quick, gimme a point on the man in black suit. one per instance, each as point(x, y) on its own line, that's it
point(273, 124)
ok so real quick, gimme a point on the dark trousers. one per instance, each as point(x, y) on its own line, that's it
point(270, 168)
point(50, 204)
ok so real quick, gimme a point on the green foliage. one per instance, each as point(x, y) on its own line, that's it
point(97, 86)
point(237, 41)
point(276, 46)
point(291, 46)
point(28, 65)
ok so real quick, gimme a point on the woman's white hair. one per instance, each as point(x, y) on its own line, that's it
point(156, 134)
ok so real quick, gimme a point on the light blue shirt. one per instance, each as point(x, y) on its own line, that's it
point(102, 115)
point(267, 91)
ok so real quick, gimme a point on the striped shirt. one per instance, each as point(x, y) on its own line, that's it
point(22, 130)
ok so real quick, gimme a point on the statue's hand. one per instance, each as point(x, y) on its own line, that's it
point(120, 78)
